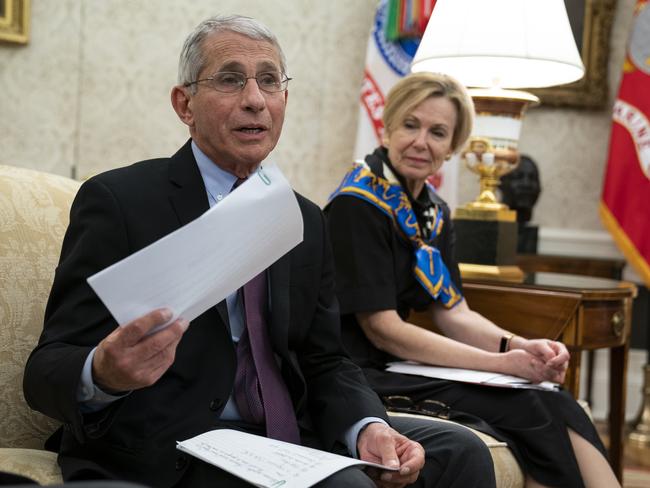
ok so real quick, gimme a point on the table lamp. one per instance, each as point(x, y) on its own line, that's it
point(494, 47)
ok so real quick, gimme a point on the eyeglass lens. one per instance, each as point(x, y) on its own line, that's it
point(230, 82)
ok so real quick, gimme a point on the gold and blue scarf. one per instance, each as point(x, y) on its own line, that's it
point(389, 197)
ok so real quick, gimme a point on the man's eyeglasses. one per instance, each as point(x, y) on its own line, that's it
point(404, 404)
point(233, 82)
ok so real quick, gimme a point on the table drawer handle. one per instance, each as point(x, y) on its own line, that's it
point(618, 324)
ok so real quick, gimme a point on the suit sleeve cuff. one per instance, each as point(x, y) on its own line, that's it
point(352, 434)
point(90, 397)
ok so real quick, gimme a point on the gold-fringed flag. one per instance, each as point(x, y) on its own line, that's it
point(625, 204)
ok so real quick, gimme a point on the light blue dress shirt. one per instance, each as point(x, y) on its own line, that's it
point(218, 184)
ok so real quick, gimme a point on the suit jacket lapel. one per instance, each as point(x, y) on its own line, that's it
point(222, 308)
point(189, 198)
point(188, 195)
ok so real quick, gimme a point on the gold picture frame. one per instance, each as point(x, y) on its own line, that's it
point(14, 21)
point(593, 20)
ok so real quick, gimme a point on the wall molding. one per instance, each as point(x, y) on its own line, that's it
point(575, 242)
point(581, 243)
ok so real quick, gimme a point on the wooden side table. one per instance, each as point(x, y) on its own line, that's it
point(611, 268)
point(576, 265)
point(584, 312)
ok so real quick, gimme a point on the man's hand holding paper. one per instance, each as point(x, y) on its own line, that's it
point(132, 357)
point(180, 276)
point(381, 444)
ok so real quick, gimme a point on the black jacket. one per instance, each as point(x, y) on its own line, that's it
point(120, 212)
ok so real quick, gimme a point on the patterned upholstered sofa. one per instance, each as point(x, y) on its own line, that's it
point(34, 210)
point(33, 217)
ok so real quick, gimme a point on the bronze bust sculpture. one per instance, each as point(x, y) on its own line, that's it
point(520, 190)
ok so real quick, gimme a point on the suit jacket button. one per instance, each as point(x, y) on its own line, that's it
point(181, 463)
point(215, 404)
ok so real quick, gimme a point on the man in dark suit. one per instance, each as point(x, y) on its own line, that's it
point(126, 396)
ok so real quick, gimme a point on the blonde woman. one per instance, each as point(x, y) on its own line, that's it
point(393, 243)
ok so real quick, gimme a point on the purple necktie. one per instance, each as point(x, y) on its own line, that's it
point(260, 392)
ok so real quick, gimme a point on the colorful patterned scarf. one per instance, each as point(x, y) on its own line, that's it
point(430, 270)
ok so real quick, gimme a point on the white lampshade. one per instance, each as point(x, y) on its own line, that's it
point(500, 43)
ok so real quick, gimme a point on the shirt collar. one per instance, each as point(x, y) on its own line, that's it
point(218, 183)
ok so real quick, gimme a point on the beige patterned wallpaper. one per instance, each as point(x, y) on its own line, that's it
point(91, 91)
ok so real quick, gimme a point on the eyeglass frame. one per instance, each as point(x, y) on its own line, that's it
point(285, 81)
point(418, 408)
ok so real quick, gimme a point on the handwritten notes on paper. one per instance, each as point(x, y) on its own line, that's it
point(198, 265)
point(266, 462)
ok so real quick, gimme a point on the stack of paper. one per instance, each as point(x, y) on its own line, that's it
point(468, 376)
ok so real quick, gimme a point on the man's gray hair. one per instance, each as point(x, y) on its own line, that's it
point(192, 60)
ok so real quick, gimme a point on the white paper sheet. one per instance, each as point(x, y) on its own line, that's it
point(468, 376)
point(266, 462)
point(197, 266)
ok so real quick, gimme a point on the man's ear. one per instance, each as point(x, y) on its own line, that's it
point(181, 102)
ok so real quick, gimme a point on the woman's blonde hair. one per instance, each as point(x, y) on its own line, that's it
point(415, 88)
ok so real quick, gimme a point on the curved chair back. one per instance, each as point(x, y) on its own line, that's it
point(34, 210)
